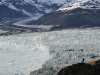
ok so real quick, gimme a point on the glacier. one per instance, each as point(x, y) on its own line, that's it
point(21, 54)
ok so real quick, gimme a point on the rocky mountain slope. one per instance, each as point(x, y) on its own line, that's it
point(76, 13)
point(27, 8)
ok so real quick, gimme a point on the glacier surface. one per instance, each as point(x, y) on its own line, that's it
point(22, 53)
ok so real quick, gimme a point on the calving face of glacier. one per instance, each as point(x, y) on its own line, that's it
point(23, 53)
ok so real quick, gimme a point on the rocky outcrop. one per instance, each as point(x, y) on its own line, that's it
point(81, 69)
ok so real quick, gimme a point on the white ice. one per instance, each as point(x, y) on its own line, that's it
point(20, 54)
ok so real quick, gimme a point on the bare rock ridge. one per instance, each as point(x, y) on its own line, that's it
point(75, 14)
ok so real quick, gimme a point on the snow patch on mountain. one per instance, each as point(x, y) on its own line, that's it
point(27, 13)
point(54, 1)
point(12, 7)
point(28, 1)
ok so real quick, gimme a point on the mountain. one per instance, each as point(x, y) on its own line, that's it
point(27, 8)
point(76, 13)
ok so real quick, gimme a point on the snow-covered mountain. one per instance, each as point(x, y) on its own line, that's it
point(26, 8)
point(84, 4)
point(75, 13)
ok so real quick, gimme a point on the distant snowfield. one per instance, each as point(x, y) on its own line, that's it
point(22, 53)
point(23, 23)
point(2, 31)
point(47, 27)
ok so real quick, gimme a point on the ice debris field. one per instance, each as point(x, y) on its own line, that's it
point(22, 53)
